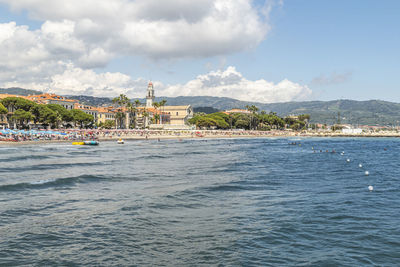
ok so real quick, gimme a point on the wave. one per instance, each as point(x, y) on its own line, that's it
point(30, 157)
point(48, 183)
point(50, 166)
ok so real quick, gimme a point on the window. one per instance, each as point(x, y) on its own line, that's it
point(177, 113)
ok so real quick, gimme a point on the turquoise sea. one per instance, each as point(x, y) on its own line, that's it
point(203, 202)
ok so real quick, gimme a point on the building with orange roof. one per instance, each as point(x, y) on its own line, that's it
point(2, 96)
point(145, 116)
point(53, 99)
point(105, 113)
point(236, 111)
point(88, 110)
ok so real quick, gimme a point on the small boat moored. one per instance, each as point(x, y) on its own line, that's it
point(91, 143)
point(86, 143)
point(120, 141)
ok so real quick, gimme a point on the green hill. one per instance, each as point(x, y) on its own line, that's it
point(372, 112)
point(19, 91)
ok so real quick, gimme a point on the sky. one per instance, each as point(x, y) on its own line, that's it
point(264, 51)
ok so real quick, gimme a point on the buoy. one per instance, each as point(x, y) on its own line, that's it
point(360, 165)
point(348, 160)
point(366, 173)
point(370, 188)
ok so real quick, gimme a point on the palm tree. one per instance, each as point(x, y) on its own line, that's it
point(119, 117)
point(137, 103)
point(122, 100)
point(146, 116)
point(156, 117)
point(162, 104)
point(132, 113)
point(156, 105)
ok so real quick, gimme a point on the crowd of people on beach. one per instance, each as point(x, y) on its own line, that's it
point(8, 135)
point(89, 134)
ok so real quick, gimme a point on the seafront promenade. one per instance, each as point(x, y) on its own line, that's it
point(21, 137)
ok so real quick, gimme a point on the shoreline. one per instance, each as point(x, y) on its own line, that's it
point(207, 136)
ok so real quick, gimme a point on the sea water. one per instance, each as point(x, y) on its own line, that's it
point(226, 202)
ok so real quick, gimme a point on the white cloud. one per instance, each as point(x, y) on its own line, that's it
point(231, 83)
point(226, 83)
point(79, 35)
point(156, 29)
point(76, 81)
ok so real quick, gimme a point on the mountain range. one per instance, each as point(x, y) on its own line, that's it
point(372, 112)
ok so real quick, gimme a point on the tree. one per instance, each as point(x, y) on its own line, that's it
point(3, 109)
point(119, 117)
point(304, 117)
point(162, 105)
point(44, 115)
point(145, 115)
point(3, 112)
point(109, 124)
point(156, 105)
point(242, 124)
point(14, 103)
point(22, 117)
point(121, 100)
point(205, 122)
point(132, 114)
point(219, 120)
point(336, 127)
point(272, 120)
point(241, 121)
point(137, 103)
point(253, 109)
point(81, 117)
point(65, 114)
point(156, 117)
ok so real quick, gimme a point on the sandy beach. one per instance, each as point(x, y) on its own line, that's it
point(162, 135)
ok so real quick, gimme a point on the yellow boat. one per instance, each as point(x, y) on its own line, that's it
point(78, 143)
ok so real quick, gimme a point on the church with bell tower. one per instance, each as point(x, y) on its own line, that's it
point(169, 117)
point(150, 95)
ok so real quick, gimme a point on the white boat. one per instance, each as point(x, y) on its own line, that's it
point(120, 142)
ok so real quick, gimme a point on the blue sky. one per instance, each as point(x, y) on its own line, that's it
point(299, 50)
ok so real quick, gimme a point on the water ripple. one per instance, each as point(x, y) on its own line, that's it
point(230, 202)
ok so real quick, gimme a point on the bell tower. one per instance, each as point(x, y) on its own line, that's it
point(150, 95)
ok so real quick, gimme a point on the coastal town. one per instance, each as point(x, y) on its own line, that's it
point(53, 117)
point(21, 112)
